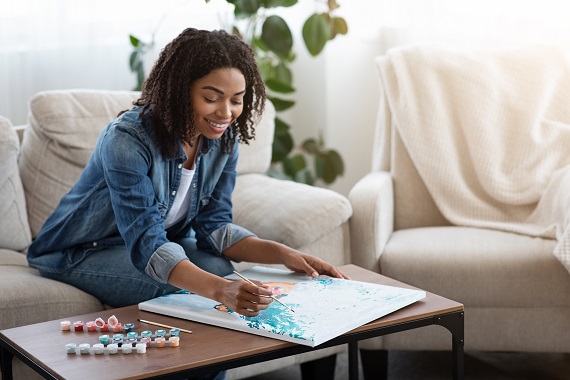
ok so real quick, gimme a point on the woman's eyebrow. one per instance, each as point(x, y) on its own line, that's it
point(220, 91)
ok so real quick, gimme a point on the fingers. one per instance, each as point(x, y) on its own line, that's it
point(338, 274)
point(251, 299)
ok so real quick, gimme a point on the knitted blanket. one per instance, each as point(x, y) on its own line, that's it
point(489, 133)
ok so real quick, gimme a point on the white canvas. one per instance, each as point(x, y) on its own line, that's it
point(324, 307)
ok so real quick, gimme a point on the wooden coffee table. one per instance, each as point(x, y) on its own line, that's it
point(42, 346)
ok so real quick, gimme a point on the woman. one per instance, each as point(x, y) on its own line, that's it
point(151, 212)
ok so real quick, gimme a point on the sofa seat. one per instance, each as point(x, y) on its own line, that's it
point(29, 298)
point(501, 269)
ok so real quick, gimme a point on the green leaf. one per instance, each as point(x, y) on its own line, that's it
point(278, 3)
point(277, 86)
point(339, 26)
point(328, 166)
point(257, 42)
point(276, 35)
point(281, 104)
point(281, 127)
point(316, 33)
point(134, 41)
point(283, 74)
point(336, 161)
point(249, 7)
point(332, 4)
point(311, 146)
point(292, 165)
point(282, 145)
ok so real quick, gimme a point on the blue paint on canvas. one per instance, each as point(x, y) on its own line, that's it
point(324, 307)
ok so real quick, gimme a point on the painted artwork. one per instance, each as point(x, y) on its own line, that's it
point(324, 307)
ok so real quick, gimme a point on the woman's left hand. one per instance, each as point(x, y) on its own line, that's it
point(311, 265)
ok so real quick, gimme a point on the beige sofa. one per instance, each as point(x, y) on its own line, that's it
point(515, 291)
point(45, 158)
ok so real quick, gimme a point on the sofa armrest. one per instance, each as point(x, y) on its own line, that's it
point(289, 212)
point(372, 221)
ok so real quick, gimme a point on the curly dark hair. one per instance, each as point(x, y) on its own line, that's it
point(189, 57)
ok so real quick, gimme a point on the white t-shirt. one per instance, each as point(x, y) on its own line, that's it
point(182, 199)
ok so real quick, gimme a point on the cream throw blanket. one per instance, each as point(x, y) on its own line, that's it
point(489, 133)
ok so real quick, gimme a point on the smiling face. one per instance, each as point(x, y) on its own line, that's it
point(217, 101)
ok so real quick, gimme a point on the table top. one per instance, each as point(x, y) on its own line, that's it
point(45, 342)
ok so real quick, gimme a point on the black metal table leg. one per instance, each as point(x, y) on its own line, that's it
point(6, 363)
point(353, 360)
point(455, 322)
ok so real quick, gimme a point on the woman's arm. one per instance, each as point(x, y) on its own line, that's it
point(254, 249)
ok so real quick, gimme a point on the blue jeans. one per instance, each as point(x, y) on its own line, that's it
point(109, 274)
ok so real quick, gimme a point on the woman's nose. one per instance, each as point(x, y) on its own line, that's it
point(224, 111)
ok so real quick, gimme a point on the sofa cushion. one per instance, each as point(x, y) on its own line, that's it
point(63, 129)
point(14, 226)
point(478, 267)
point(255, 157)
point(29, 298)
point(10, 257)
point(292, 213)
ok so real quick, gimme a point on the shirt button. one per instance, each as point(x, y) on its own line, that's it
point(94, 244)
point(174, 192)
point(194, 185)
point(179, 166)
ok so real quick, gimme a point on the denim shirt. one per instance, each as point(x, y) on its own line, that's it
point(124, 194)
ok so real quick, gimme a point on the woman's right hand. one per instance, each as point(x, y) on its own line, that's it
point(244, 298)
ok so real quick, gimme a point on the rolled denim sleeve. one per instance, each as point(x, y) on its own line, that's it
point(228, 235)
point(163, 260)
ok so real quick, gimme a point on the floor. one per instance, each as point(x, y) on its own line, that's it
point(437, 366)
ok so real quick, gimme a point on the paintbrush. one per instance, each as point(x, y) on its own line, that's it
point(252, 283)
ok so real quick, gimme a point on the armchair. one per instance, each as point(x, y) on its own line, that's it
point(466, 143)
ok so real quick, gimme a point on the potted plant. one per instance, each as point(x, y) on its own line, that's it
point(272, 41)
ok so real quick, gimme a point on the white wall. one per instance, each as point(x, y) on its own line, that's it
point(56, 44)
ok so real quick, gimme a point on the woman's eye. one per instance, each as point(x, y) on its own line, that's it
point(208, 100)
point(236, 102)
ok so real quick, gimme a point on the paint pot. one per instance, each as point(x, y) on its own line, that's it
point(127, 349)
point(146, 341)
point(117, 327)
point(175, 332)
point(118, 340)
point(100, 323)
point(78, 326)
point(132, 335)
point(174, 341)
point(113, 348)
point(70, 348)
point(129, 327)
point(104, 339)
point(159, 340)
point(84, 348)
point(65, 325)
point(105, 327)
point(98, 348)
point(112, 321)
point(91, 326)
point(146, 334)
point(161, 333)
point(141, 348)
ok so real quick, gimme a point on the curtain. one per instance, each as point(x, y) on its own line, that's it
point(61, 44)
